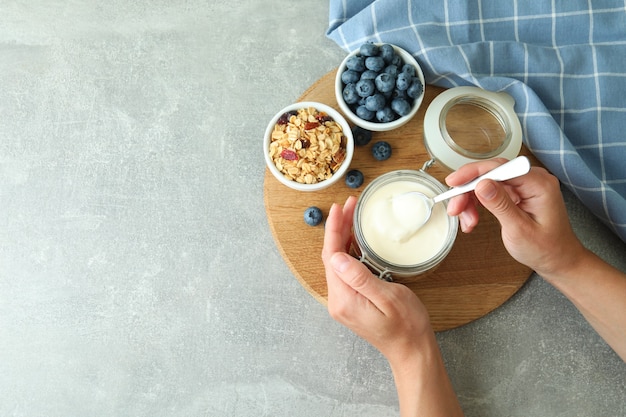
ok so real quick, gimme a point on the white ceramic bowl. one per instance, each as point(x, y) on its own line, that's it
point(338, 118)
point(372, 125)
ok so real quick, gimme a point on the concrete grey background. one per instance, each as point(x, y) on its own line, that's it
point(138, 274)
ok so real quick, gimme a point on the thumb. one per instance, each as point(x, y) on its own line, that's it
point(495, 199)
point(356, 275)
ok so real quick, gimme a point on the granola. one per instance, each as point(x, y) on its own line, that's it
point(307, 146)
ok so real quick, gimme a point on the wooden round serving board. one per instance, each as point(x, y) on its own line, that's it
point(476, 277)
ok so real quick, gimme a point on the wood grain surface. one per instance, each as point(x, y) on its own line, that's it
point(476, 277)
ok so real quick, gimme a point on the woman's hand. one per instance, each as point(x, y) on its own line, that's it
point(535, 226)
point(389, 316)
point(536, 231)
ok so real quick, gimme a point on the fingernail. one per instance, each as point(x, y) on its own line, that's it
point(449, 177)
point(463, 221)
point(340, 262)
point(488, 191)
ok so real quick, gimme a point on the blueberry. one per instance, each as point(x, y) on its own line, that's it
point(350, 76)
point(374, 63)
point(349, 94)
point(409, 69)
point(363, 113)
point(361, 136)
point(400, 106)
point(385, 82)
point(400, 94)
point(381, 150)
point(365, 88)
point(397, 61)
point(385, 115)
point(369, 49)
point(356, 63)
point(415, 89)
point(403, 81)
point(387, 52)
point(313, 216)
point(392, 70)
point(375, 102)
point(354, 178)
point(368, 75)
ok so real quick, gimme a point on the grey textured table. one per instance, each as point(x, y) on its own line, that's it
point(138, 275)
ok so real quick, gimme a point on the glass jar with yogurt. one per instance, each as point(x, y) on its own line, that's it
point(387, 229)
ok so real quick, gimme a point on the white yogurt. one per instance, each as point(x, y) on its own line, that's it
point(391, 220)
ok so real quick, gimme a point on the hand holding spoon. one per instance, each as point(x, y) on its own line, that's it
point(512, 169)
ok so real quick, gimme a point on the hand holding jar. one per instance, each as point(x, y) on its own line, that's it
point(391, 318)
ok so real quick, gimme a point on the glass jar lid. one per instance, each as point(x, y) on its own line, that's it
point(468, 124)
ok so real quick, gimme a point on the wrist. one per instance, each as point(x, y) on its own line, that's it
point(569, 265)
point(409, 360)
point(422, 382)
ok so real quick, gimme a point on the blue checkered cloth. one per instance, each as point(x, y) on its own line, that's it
point(563, 62)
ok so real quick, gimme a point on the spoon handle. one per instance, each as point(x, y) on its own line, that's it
point(512, 169)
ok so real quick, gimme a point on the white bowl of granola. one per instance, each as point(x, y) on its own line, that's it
point(308, 146)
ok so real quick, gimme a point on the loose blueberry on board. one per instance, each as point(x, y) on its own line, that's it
point(381, 150)
point(361, 136)
point(313, 216)
point(354, 178)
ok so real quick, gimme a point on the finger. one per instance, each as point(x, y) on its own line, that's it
point(460, 203)
point(472, 170)
point(493, 196)
point(348, 214)
point(358, 277)
point(338, 231)
point(465, 207)
point(338, 227)
point(333, 231)
point(512, 192)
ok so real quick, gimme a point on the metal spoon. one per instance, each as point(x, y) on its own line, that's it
point(512, 169)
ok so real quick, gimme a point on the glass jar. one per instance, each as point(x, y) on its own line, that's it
point(468, 124)
point(385, 244)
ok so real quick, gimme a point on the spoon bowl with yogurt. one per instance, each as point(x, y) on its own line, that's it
point(422, 206)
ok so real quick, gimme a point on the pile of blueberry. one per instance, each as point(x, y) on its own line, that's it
point(378, 85)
